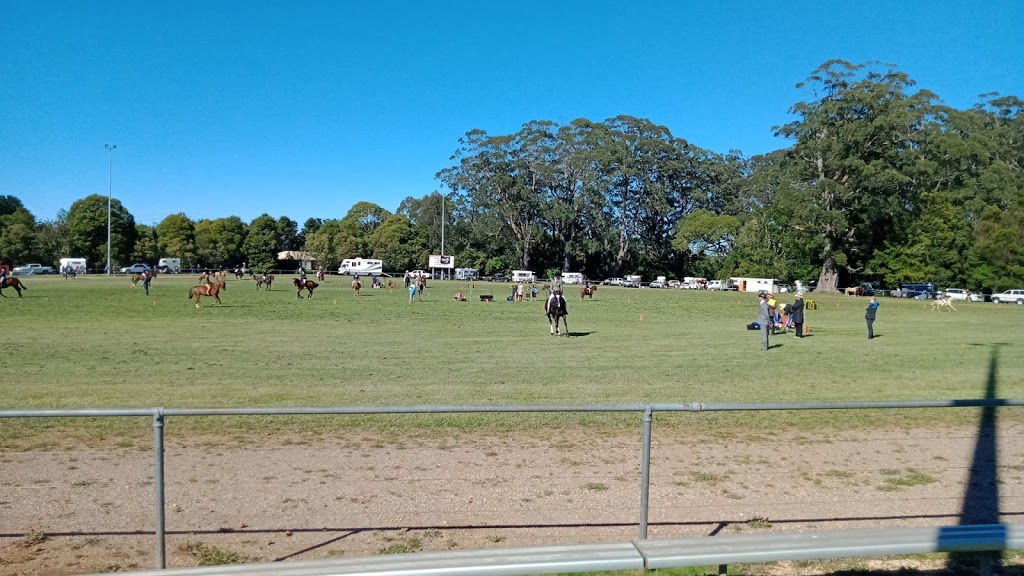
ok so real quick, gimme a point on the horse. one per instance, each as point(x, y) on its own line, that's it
point(239, 273)
point(588, 291)
point(211, 290)
point(357, 285)
point(136, 278)
point(320, 274)
point(946, 302)
point(15, 283)
point(266, 279)
point(854, 291)
point(69, 271)
point(307, 285)
point(554, 307)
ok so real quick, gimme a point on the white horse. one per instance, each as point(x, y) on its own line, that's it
point(946, 302)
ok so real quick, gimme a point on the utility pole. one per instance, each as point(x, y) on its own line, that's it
point(110, 187)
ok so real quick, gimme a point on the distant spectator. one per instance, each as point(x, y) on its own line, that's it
point(869, 315)
point(798, 315)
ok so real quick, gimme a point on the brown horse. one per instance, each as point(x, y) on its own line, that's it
point(308, 286)
point(264, 280)
point(588, 291)
point(320, 274)
point(136, 278)
point(211, 290)
point(357, 286)
point(15, 283)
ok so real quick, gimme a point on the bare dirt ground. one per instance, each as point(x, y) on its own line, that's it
point(91, 510)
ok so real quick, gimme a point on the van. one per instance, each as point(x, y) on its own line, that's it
point(572, 277)
point(169, 265)
point(523, 276)
point(76, 264)
point(466, 273)
point(361, 266)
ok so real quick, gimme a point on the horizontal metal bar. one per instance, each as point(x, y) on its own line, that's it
point(521, 408)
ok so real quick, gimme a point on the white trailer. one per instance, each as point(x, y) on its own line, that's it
point(467, 273)
point(172, 265)
point(76, 264)
point(361, 266)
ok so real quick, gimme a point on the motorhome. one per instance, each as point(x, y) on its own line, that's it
point(172, 265)
point(523, 276)
point(572, 277)
point(466, 273)
point(361, 266)
point(76, 264)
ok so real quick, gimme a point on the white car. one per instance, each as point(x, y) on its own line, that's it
point(1010, 296)
point(715, 285)
point(957, 294)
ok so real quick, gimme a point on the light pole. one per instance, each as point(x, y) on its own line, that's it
point(110, 186)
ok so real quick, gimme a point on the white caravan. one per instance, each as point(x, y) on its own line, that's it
point(572, 277)
point(361, 266)
point(523, 276)
point(466, 273)
point(77, 264)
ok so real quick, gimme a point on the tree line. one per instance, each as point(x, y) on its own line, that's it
point(881, 181)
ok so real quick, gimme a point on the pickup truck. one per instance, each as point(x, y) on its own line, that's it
point(32, 269)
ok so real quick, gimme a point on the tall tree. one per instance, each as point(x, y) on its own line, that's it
point(54, 239)
point(854, 143)
point(146, 247)
point(87, 222)
point(220, 241)
point(260, 246)
point(288, 234)
point(176, 238)
point(17, 236)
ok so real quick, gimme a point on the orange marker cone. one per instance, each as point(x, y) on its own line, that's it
point(641, 317)
point(154, 302)
point(335, 300)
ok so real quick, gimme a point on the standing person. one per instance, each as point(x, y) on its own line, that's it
point(798, 315)
point(146, 277)
point(772, 306)
point(869, 315)
point(407, 277)
point(412, 291)
point(764, 318)
point(533, 292)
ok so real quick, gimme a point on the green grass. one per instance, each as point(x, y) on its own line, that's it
point(96, 342)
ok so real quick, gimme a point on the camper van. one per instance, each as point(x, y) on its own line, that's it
point(572, 277)
point(523, 276)
point(361, 266)
point(172, 265)
point(466, 273)
point(76, 264)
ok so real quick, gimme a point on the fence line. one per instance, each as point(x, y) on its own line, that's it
point(159, 416)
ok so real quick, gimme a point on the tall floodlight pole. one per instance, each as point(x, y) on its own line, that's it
point(110, 187)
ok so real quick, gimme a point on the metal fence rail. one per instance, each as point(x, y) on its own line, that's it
point(159, 415)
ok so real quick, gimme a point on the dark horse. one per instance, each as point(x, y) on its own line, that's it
point(308, 286)
point(12, 283)
point(357, 286)
point(554, 307)
point(588, 291)
point(266, 279)
point(211, 290)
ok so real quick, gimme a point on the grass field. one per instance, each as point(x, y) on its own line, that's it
point(97, 342)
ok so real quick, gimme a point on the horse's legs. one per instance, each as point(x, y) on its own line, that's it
point(550, 325)
point(565, 322)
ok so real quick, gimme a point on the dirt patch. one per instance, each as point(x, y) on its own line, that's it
point(92, 510)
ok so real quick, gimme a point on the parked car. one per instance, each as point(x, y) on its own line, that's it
point(715, 285)
point(957, 294)
point(980, 297)
point(30, 269)
point(137, 268)
point(657, 284)
point(613, 282)
point(868, 288)
point(1009, 296)
point(783, 288)
point(499, 277)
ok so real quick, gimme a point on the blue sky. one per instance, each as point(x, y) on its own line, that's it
point(302, 109)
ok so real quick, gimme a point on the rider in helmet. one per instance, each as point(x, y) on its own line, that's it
point(302, 274)
point(556, 291)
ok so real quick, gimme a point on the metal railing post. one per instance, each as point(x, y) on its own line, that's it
point(645, 472)
point(158, 486)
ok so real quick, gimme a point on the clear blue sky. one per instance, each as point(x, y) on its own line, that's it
point(302, 109)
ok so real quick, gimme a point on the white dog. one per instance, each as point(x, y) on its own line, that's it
point(946, 302)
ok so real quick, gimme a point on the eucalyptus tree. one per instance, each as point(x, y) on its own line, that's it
point(498, 175)
point(146, 248)
point(261, 243)
point(854, 143)
point(220, 241)
point(176, 238)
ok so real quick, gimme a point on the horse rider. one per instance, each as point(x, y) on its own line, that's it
point(3, 276)
point(556, 292)
point(302, 275)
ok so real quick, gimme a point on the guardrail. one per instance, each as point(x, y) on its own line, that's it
point(159, 416)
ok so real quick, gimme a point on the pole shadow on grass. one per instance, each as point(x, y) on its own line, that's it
point(981, 497)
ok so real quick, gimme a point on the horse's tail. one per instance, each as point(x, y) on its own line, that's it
point(190, 293)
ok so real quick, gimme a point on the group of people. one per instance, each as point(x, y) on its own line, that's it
point(769, 318)
point(415, 284)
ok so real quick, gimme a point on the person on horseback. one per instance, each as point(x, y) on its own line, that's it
point(556, 292)
point(302, 275)
point(3, 276)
